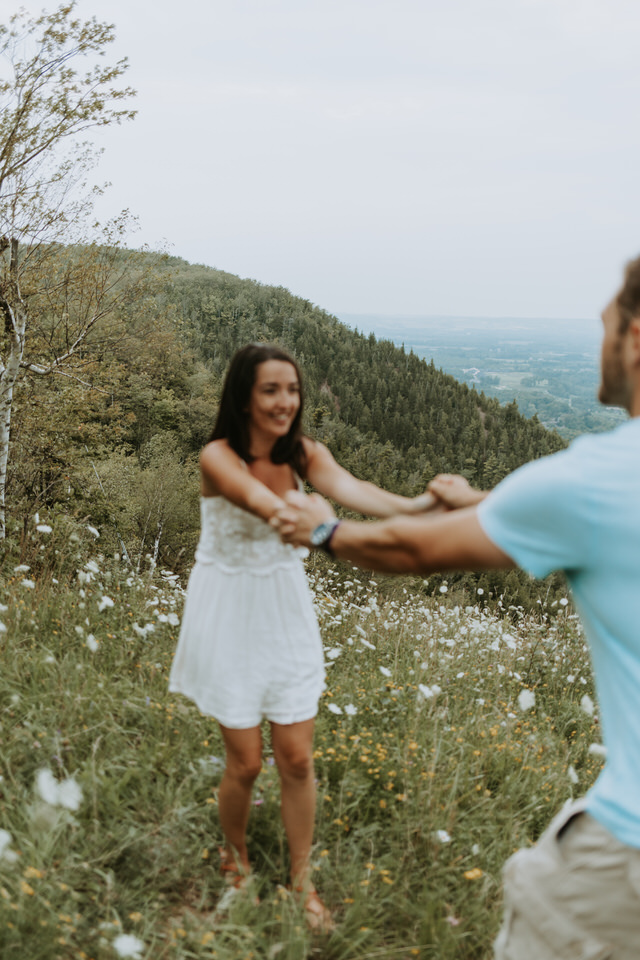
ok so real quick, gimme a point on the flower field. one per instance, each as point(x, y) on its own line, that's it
point(448, 735)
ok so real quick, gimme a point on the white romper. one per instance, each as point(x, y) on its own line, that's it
point(249, 643)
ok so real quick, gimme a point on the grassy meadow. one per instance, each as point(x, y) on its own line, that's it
point(448, 735)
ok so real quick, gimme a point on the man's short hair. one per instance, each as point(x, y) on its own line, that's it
point(628, 300)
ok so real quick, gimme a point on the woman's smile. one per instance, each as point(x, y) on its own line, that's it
point(275, 398)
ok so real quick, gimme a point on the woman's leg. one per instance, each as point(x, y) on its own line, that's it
point(243, 764)
point(293, 750)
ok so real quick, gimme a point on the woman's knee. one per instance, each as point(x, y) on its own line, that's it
point(295, 764)
point(244, 769)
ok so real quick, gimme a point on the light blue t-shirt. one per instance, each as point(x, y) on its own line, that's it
point(579, 511)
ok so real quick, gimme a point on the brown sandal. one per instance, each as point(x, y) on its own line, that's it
point(234, 873)
point(316, 913)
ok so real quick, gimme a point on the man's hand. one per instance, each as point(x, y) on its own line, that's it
point(296, 522)
point(454, 492)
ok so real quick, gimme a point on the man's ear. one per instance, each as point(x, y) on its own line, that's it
point(633, 338)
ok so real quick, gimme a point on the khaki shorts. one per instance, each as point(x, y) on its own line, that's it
point(575, 895)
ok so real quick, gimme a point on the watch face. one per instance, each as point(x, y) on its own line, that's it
point(320, 534)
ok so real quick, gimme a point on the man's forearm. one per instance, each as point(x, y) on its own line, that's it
point(422, 545)
point(377, 546)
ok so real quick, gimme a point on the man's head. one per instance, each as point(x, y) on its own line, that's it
point(620, 359)
point(628, 300)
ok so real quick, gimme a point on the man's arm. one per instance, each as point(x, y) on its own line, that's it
point(423, 545)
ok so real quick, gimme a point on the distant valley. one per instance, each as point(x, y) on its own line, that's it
point(550, 367)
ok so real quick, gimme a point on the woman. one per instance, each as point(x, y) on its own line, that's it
point(249, 646)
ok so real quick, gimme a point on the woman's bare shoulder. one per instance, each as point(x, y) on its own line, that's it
point(312, 448)
point(219, 463)
point(219, 452)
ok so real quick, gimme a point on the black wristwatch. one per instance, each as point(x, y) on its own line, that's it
point(321, 536)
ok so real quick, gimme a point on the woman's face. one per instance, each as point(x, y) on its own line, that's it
point(275, 399)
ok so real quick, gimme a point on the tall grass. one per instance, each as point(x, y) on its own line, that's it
point(432, 768)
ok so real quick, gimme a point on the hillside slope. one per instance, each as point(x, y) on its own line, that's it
point(385, 413)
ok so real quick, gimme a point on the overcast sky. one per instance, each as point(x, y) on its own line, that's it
point(469, 157)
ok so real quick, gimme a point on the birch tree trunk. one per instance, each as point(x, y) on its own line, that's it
point(46, 104)
point(15, 323)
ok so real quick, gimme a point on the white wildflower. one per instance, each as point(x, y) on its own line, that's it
point(3, 627)
point(49, 659)
point(92, 566)
point(334, 708)
point(93, 531)
point(3, 608)
point(480, 592)
point(47, 787)
point(69, 794)
point(44, 528)
point(429, 692)
point(5, 841)
point(597, 750)
point(79, 630)
point(444, 588)
point(66, 793)
point(359, 629)
point(334, 653)
point(22, 568)
point(350, 710)
point(526, 699)
point(173, 619)
point(365, 643)
point(126, 945)
point(28, 584)
point(443, 836)
point(573, 776)
point(586, 704)
point(104, 603)
point(385, 671)
point(92, 643)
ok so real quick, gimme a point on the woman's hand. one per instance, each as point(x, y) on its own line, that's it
point(296, 522)
point(454, 492)
point(425, 502)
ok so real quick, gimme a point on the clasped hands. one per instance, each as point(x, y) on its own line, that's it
point(301, 514)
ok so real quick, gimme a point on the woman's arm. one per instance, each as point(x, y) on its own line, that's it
point(224, 474)
point(332, 480)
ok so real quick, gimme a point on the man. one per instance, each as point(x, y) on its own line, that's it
point(576, 893)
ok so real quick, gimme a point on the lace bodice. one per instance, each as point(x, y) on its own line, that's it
point(236, 540)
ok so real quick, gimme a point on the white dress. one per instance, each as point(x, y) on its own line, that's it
point(249, 643)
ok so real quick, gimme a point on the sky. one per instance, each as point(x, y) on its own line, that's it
point(468, 157)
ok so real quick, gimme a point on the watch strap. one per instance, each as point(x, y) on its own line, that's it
point(326, 543)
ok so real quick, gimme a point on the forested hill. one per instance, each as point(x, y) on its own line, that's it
point(387, 415)
point(118, 444)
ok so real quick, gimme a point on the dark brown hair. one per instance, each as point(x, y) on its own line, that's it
point(232, 423)
point(628, 300)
